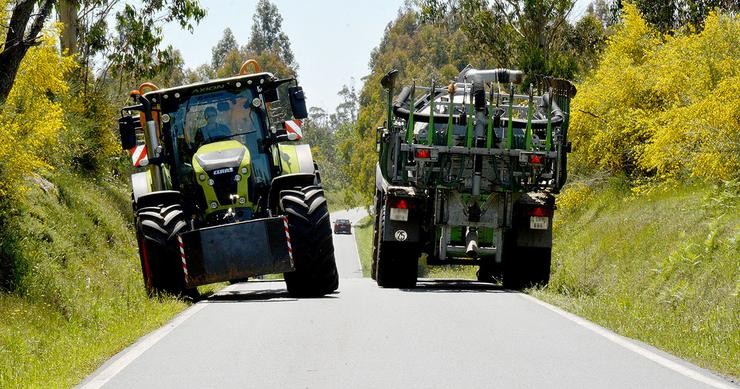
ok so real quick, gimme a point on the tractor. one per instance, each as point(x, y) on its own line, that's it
point(220, 191)
point(467, 174)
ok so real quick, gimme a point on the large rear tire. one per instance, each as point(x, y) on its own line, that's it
point(311, 239)
point(157, 227)
point(396, 263)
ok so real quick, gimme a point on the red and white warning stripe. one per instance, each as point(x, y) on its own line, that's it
point(293, 128)
point(182, 257)
point(138, 156)
point(287, 239)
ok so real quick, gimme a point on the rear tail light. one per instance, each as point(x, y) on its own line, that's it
point(540, 211)
point(399, 208)
point(536, 159)
point(422, 153)
point(399, 203)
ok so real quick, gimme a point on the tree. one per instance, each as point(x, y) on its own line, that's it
point(540, 27)
point(23, 32)
point(222, 48)
point(267, 33)
point(346, 111)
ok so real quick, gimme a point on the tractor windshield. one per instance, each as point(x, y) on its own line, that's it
point(222, 115)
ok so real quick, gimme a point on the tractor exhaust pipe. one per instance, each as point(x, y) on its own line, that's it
point(471, 242)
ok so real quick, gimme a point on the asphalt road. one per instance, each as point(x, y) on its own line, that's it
point(444, 334)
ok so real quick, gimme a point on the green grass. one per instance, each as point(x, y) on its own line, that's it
point(659, 265)
point(364, 238)
point(78, 296)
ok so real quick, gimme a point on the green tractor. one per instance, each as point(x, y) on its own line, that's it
point(467, 174)
point(220, 192)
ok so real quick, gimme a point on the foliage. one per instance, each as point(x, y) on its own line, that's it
point(222, 48)
point(32, 116)
point(267, 33)
point(671, 15)
point(662, 105)
point(135, 49)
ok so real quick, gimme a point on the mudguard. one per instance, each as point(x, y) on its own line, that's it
point(141, 184)
point(294, 159)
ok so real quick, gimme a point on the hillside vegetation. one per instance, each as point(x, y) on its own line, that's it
point(78, 296)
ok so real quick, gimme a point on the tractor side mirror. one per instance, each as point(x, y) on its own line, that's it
point(298, 102)
point(127, 126)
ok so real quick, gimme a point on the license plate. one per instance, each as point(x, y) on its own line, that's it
point(538, 222)
point(399, 214)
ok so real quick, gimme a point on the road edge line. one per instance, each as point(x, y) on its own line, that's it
point(124, 358)
point(629, 345)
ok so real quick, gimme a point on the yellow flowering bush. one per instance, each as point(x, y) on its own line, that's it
point(663, 105)
point(32, 116)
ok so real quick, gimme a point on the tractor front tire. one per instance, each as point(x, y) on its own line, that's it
point(157, 228)
point(311, 239)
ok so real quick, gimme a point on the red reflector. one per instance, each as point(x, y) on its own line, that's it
point(423, 153)
point(535, 159)
point(399, 203)
point(540, 211)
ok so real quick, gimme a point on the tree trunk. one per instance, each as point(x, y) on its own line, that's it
point(67, 10)
point(17, 41)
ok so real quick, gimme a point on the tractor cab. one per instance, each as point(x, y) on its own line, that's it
point(220, 147)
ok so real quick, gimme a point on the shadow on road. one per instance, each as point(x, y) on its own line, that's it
point(235, 296)
point(456, 286)
point(252, 295)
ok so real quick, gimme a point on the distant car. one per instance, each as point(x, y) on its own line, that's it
point(342, 226)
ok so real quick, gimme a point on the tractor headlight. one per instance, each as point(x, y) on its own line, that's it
point(214, 204)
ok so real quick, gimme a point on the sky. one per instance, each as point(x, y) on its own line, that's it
point(331, 39)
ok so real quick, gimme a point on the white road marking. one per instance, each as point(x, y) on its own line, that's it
point(665, 362)
point(130, 354)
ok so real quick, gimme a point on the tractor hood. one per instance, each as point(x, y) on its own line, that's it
point(220, 155)
point(222, 170)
